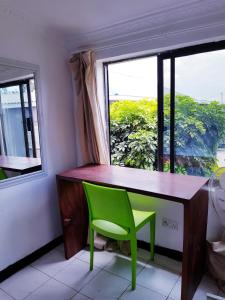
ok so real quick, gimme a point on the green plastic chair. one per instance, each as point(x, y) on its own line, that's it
point(2, 174)
point(111, 215)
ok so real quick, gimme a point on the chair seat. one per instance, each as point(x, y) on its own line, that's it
point(104, 227)
point(141, 217)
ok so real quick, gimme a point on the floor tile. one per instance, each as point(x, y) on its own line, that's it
point(168, 263)
point(141, 293)
point(176, 291)
point(101, 258)
point(157, 279)
point(77, 274)
point(121, 265)
point(52, 290)
point(80, 297)
point(60, 248)
point(143, 255)
point(23, 282)
point(105, 286)
point(51, 263)
point(4, 296)
point(207, 285)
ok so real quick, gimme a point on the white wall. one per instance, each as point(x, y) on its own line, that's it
point(29, 216)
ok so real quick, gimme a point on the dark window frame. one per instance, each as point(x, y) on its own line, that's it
point(161, 57)
point(20, 83)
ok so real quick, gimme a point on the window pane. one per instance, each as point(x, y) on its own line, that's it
point(133, 112)
point(13, 143)
point(200, 113)
point(35, 116)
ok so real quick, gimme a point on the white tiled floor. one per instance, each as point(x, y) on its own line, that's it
point(52, 277)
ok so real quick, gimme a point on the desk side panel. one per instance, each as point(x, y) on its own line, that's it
point(74, 216)
point(194, 247)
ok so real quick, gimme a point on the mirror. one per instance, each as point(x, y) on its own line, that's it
point(20, 150)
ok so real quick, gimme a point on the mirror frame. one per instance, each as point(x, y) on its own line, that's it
point(35, 69)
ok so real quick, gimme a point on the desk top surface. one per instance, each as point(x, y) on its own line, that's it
point(169, 186)
point(16, 163)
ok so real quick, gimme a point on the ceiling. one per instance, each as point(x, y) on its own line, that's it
point(9, 73)
point(84, 15)
point(86, 21)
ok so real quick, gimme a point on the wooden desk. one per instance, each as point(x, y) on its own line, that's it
point(23, 165)
point(191, 191)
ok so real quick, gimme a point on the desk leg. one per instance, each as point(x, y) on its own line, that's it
point(194, 245)
point(74, 216)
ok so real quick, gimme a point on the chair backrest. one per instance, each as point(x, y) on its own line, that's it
point(2, 174)
point(109, 204)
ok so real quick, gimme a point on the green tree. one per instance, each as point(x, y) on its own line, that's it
point(199, 130)
point(133, 128)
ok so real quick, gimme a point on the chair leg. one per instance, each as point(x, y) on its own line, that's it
point(152, 237)
point(91, 240)
point(133, 243)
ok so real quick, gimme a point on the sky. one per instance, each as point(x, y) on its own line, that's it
point(201, 76)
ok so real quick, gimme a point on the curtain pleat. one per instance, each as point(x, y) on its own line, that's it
point(92, 136)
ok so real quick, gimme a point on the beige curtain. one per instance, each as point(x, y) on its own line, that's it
point(91, 134)
point(89, 123)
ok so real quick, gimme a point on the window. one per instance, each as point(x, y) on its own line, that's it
point(18, 117)
point(167, 112)
point(133, 112)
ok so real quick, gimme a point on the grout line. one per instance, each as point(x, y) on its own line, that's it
point(124, 291)
point(30, 293)
point(7, 294)
point(78, 291)
point(35, 288)
point(65, 284)
point(67, 262)
point(73, 296)
point(51, 277)
point(155, 291)
point(120, 276)
point(99, 270)
point(36, 268)
point(85, 296)
point(116, 275)
point(173, 288)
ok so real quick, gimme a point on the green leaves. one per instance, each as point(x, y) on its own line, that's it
point(133, 130)
point(199, 130)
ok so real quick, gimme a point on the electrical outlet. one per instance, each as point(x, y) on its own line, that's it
point(169, 223)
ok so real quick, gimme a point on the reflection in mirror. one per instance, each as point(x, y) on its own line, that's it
point(19, 135)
